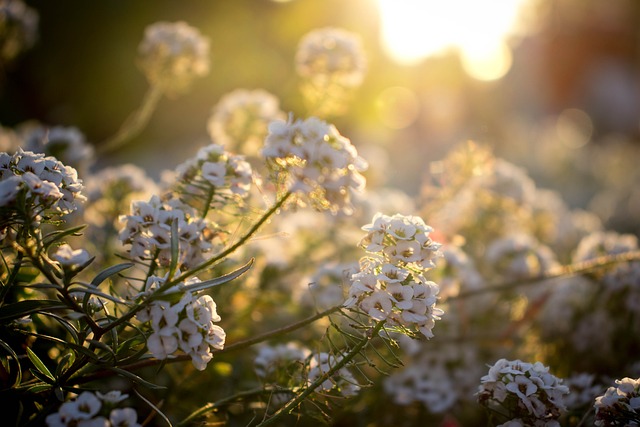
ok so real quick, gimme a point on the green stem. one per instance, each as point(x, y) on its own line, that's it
point(318, 382)
point(17, 264)
point(135, 123)
point(554, 273)
point(128, 315)
point(209, 407)
point(227, 349)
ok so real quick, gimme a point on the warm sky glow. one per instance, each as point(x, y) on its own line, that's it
point(415, 29)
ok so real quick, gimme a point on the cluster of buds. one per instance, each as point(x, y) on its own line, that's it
point(528, 392)
point(148, 229)
point(187, 324)
point(312, 159)
point(391, 284)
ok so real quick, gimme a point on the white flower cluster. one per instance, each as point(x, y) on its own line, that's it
point(89, 409)
point(214, 169)
point(172, 54)
point(343, 380)
point(148, 230)
point(391, 284)
point(620, 405)
point(43, 182)
point(331, 54)
point(241, 118)
point(315, 160)
point(186, 325)
point(529, 393)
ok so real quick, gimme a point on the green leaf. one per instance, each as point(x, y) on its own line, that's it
point(212, 282)
point(13, 354)
point(20, 309)
point(110, 271)
point(37, 363)
point(58, 235)
point(136, 379)
point(39, 387)
point(93, 291)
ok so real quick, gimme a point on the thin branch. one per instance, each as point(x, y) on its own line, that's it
point(289, 406)
point(553, 273)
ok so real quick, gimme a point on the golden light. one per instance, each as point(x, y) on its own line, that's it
point(416, 29)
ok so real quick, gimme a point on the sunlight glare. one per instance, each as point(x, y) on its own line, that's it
point(416, 29)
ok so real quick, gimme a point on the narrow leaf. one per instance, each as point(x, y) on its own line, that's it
point(37, 363)
point(20, 309)
point(58, 235)
point(213, 282)
point(136, 379)
point(110, 271)
point(13, 354)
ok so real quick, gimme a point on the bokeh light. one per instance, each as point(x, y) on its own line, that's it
point(415, 29)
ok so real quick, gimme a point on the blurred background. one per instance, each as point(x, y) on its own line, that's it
point(551, 85)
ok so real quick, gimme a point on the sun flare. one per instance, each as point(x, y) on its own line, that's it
point(416, 29)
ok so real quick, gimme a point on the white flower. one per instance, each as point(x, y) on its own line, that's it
point(69, 258)
point(163, 343)
point(125, 417)
point(84, 407)
point(113, 396)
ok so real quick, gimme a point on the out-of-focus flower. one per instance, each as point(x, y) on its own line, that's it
point(582, 390)
point(172, 55)
point(526, 391)
point(241, 118)
point(331, 54)
point(312, 159)
point(343, 380)
point(87, 410)
point(67, 144)
point(70, 258)
point(18, 28)
point(438, 378)
point(271, 359)
point(620, 405)
point(331, 64)
point(519, 256)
